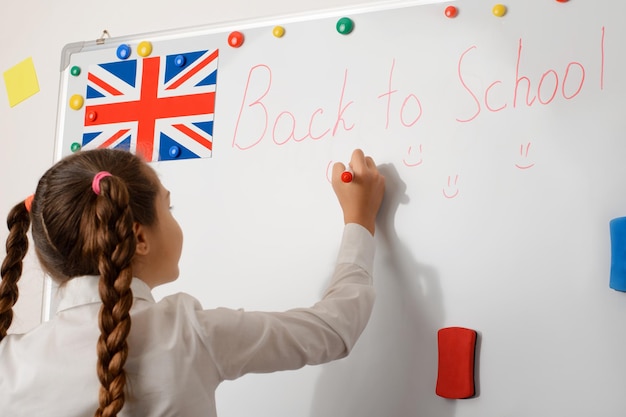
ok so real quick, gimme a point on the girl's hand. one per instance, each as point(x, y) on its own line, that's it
point(361, 198)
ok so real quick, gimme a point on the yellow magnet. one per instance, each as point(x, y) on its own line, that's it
point(144, 48)
point(278, 31)
point(76, 102)
point(499, 10)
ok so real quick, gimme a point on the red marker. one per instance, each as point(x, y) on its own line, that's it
point(347, 175)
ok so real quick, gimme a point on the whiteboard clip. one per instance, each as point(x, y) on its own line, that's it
point(100, 40)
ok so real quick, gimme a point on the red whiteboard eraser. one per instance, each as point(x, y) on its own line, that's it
point(455, 376)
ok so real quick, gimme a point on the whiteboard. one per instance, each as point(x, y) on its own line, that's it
point(501, 139)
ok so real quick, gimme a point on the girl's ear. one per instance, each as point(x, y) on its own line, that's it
point(142, 247)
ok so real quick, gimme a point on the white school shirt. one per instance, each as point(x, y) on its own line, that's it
point(178, 352)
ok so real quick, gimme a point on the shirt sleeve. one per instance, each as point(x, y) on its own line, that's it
point(243, 342)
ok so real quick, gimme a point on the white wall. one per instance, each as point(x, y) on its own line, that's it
point(40, 29)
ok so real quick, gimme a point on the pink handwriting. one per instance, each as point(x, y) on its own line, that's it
point(414, 161)
point(411, 97)
point(524, 154)
point(602, 60)
point(317, 128)
point(451, 191)
point(545, 90)
point(329, 171)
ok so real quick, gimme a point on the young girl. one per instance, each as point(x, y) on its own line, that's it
point(103, 230)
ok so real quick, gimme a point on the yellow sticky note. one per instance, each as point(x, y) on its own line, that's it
point(21, 81)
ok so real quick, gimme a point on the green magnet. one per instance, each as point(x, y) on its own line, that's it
point(345, 25)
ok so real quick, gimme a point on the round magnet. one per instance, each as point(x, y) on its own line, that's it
point(123, 51)
point(179, 60)
point(144, 48)
point(278, 31)
point(451, 11)
point(91, 115)
point(345, 25)
point(75, 147)
point(76, 102)
point(174, 151)
point(499, 10)
point(235, 39)
point(75, 71)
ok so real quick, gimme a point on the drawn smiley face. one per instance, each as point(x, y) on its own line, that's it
point(452, 190)
point(524, 160)
point(414, 157)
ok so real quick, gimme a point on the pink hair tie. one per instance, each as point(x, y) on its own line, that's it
point(29, 202)
point(95, 184)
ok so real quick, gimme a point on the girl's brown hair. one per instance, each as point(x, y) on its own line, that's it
point(78, 232)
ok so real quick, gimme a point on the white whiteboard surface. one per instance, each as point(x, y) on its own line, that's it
point(495, 218)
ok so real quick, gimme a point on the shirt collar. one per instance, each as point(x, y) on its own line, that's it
point(84, 290)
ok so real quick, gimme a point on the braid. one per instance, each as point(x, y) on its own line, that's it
point(115, 237)
point(18, 223)
point(79, 229)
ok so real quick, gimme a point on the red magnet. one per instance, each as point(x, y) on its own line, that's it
point(235, 39)
point(451, 11)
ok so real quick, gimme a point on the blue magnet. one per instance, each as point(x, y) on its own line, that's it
point(617, 279)
point(179, 61)
point(174, 151)
point(123, 51)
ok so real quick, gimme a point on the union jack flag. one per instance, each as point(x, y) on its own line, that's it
point(158, 107)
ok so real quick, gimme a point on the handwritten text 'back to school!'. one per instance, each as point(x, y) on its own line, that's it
point(263, 121)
